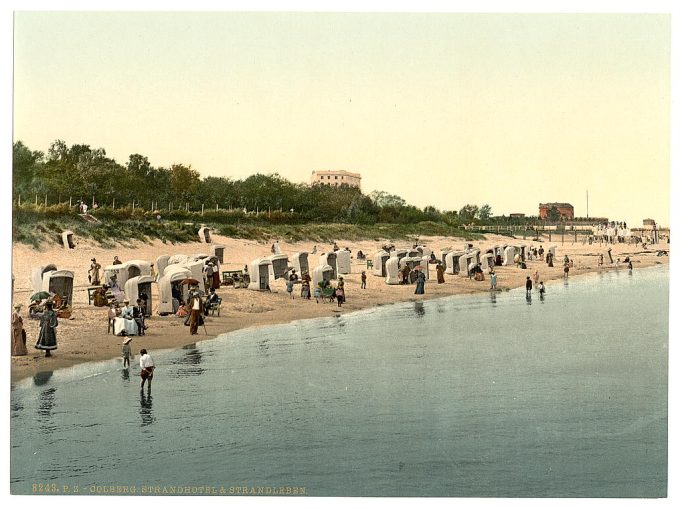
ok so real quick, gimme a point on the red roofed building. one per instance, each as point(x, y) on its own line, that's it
point(566, 210)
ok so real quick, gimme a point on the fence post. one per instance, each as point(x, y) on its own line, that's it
point(19, 200)
point(113, 206)
point(202, 209)
point(45, 200)
point(133, 205)
point(36, 199)
point(69, 202)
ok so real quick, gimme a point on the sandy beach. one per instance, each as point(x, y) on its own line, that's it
point(83, 337)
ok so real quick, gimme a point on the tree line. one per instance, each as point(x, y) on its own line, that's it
point(81, 172)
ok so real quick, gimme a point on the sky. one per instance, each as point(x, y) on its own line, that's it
point(441, 109)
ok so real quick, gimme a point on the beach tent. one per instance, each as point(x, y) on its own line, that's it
point(488, 260)
point(259, 274)
point(126, 271)
point(67, 240)
point(59, 282)
point(178, 259)
point(509, 255)
point(217, 250)
point(442, 257)
point(300, 262)
point(343, 261)
point(412, 253)
point(171, 280)
point(475, 255)
point(196, 268)
point(521, 250)
point(392, 271)
point(498, 252)
point(161, 264)
point(136, 268)
point(330, 259)
point(400, 253)
point(424, 251)
point(453, 262)
point(464, 261)
point(37, 276)
point(419, 263)
point(379, 260)
point(118, 271)
point(279, 265)
point(199, 256)
point(321, 272)
point(412, 263)
point(204, 235)
point(137, 285)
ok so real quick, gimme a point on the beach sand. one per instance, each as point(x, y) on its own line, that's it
point(83, 337)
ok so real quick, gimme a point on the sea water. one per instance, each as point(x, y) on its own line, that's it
point(485, 395)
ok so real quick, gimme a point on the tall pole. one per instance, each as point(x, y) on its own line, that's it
point(587, 215)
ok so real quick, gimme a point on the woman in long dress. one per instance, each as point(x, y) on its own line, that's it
point(47, 338)
point(420, 283)
point(440, 273)
point(18, 333)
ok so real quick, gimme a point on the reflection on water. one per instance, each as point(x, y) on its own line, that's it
point(528, 298)
point(42, 378)
point(125, 374)
point(146, 404)
point(376, 403)
point(46, 402)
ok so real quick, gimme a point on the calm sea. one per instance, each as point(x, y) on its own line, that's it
point(485, 395)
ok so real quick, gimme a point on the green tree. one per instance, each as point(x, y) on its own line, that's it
point(184, 183)
point(553, 214)
point(468, 213)
point(384, 199)
point(484, 212)
point(25, 168)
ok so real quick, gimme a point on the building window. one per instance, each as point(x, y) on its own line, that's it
point(336, 177)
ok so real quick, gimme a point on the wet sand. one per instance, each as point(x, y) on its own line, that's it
point(83, 337)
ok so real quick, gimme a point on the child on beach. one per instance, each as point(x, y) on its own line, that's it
point(493, 279)
point(363, 279)
point(127, 353)
point(541, 289)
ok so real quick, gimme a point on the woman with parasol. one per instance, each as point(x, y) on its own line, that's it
point(47, 338)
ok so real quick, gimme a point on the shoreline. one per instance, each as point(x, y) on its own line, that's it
point(84, 339)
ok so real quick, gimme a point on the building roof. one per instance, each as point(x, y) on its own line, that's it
point(555, 204)
point(336, 172)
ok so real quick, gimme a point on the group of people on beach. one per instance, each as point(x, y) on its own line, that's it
point(47, 335)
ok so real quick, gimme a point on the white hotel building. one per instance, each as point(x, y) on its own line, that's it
point(336, 178)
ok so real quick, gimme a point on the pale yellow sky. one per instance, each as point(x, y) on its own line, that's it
point(441, 109)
